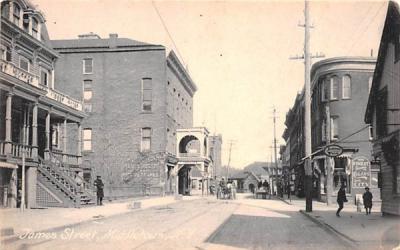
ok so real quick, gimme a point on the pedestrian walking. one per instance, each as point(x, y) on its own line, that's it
point(367, 198)
point(98, 183)
point(341, 198)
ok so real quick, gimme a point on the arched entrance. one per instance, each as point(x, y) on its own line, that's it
point(184, 180)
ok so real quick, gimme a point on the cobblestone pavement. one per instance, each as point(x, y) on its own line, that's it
point(203, 223)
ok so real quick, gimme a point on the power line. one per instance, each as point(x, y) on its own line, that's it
point(366, 28)
point(169, 34)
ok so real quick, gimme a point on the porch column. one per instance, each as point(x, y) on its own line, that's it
point(8, 139)
point(79, 143)
point(65, 140)
point(31, 182)
point(47, 132)
point(12, 200)
point(34, 131)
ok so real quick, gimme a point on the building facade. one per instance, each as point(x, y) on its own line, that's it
point(383, 111)
point(135, 98)
point(340, 89)
point(295, 142)
point(39, 163)
point(215, 142)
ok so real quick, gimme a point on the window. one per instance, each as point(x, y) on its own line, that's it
point(146, 94)
point(87, 66)
point(16, 15)
point(323, 130)
point(24, 63)
point(146, 140)
point(397, 49)
point(370, 83)
point(5, 53)
point(35, 28)
point(334, 128)
point(381, 113)
point(371, 132)
point(87, 139)
point(25, 22)
point(5, 9)
point(87, 95)
point(341, 174)
point(346, 85)
point(55, 136)
point(334, 88)
point(44, 77)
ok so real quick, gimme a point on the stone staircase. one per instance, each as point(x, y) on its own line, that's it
point(59, 186)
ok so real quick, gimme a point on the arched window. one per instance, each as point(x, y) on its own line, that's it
point(346, 85)
point(334, 88)
point(16, 14)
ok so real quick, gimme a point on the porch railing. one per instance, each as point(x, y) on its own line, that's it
point(15, 149)
point(189, 155)
point(67, 158)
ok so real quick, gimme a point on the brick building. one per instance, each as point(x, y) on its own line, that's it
point(215, 142)
point(135, 99)
point(38, 164)
point(383, 111)
point(340, 89)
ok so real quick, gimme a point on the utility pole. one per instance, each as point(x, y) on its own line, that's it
point(275, 153)
point(329, 177)
point(307, 103)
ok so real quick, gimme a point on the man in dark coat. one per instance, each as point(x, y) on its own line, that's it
point(341, 198)
point(367, 198)
point(98, 183)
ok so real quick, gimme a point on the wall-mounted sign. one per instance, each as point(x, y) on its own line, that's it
point(361, 172)
point(333, 150)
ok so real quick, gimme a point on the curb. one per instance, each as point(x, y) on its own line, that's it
point(14, 238)
point(346, 240)
point(285, 201)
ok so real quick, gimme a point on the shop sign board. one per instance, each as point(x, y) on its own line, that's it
point(361, 172)
point(333, 150)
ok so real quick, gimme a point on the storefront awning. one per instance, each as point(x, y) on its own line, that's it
point(8, 165)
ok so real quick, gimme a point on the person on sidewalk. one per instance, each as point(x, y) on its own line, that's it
point(98, 183)
point(341, 198)
point(367, 198)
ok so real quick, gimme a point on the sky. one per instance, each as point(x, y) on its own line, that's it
point(237, 53)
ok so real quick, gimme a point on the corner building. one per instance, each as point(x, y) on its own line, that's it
point(340, 89)
point(135, 98)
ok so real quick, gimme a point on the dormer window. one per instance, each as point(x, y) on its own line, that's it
point(25, 22)
point(35, 28)
point(16, 14)
point(5, 10)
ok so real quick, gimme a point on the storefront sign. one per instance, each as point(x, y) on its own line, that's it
point(333, 150)
point(361, 173)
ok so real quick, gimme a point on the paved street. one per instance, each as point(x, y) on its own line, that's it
point(194, 224)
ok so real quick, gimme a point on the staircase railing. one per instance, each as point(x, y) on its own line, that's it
point(85, 188)
point(65, 183)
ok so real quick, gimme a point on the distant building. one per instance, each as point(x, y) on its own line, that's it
point(294, 136)
point(246, 182)
point(340, 88)
point(383, 111)
point(215, 142)
point(136, 98)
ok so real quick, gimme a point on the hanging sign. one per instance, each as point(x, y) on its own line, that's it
point(333, 150)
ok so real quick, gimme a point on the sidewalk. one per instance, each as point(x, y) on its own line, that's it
point(13, 222)
point(355, 228)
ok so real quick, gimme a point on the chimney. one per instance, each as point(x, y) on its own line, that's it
point(113, 40)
